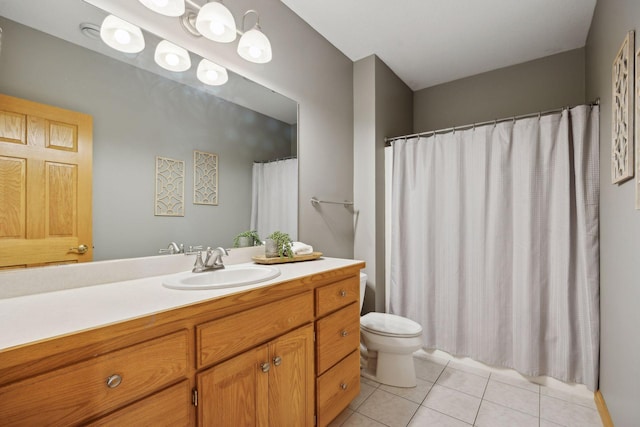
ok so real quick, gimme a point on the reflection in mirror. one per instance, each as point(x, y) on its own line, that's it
point(141, 112)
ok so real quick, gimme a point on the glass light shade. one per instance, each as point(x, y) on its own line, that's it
point(254, 46)
point(172, 57)
point(216, 23)
point(121, 35)
point(165, 7)
point(211, 74)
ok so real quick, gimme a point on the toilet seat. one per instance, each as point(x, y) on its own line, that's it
point(390, 325)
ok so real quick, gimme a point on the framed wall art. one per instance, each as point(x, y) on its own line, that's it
point(622, 127)
point(205, 178)
point(169, 200)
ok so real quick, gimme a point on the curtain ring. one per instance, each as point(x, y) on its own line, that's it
point(495, 122)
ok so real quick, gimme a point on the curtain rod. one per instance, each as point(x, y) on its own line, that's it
point(539, 114)
point(275, 160)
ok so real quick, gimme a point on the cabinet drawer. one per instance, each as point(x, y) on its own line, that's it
point(338, 387)
point(170, 407)
point(331, 297)
point(79, 391)
point(336, 336)
point(225, 337)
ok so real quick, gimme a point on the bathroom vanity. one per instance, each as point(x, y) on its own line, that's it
point(281, 352)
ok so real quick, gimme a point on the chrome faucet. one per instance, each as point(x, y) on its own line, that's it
point(213, 261)
point(173, 248)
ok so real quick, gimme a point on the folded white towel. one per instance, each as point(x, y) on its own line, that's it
point(300, 248)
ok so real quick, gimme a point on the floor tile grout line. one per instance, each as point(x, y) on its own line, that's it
point(518, 386)
point(482, 400)
point(511, 408)
point(539, 407)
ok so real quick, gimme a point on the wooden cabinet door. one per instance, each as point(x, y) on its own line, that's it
point(291, 379)
point(235, 392)
point(45, 184)
point(239, 392)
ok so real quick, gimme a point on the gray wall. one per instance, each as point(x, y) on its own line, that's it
point(533, 86)
point(307, 69)
point(137, 116)
point(619, 227)
point(382, 107)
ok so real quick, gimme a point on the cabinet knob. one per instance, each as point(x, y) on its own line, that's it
point(343, 386)
point(114, 381)
point(265, 367)
point(277, 360)
point(344, 333)
point(343, 293)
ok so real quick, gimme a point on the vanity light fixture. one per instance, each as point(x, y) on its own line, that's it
point(172, 57)
point(215, 22)
point(254, 46)
point(165, 7)
point(121, 35)
point(211, 74)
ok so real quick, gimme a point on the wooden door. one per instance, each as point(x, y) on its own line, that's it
point(291, 379)
point(235, 392)
point(45, 184)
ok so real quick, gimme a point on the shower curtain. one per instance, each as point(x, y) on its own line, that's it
point(274, 201)
point(494, 246)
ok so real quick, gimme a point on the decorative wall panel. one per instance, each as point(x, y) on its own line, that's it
point(622, 166)
point(205, 178)
point(169, 187)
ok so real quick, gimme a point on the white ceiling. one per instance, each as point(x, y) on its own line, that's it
point(428, 42)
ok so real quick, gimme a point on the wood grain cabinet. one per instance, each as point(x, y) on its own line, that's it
point(271, 385)
point(79, 391)
point(337, 347)
point(279, 355)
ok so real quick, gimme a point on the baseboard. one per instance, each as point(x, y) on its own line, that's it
point(602, 409)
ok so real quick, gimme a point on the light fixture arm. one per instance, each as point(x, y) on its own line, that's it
point(257, 24)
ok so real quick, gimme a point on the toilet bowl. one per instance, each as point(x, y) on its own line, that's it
point(387, 343)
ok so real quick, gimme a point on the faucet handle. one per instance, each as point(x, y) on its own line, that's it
point(199, 265)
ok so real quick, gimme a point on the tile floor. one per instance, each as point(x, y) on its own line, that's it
point(451, 394)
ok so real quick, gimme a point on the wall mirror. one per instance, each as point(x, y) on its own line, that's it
point(48, 54)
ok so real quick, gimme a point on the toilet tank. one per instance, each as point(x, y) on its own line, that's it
point(363, 287)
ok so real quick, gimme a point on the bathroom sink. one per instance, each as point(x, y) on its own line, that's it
point(228, 277)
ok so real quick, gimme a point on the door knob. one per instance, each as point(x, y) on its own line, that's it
point(80, 249)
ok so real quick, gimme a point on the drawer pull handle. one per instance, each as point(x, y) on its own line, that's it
point(343, 386)
point(114, 381)
point(343, 293)
point(277, 360)
point(265, 367)
point(344, 333)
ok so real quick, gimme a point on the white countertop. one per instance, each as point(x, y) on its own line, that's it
point(29, 318)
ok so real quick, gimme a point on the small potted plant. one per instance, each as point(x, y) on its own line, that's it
point(247, 238)
point(278, 244)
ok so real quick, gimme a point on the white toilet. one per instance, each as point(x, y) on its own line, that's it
point(387, 343)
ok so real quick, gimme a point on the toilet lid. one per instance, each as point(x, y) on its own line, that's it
point(390, 325)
